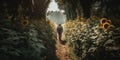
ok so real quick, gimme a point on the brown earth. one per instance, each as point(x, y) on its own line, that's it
point(62, 51)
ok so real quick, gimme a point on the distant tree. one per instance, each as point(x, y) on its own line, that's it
point(87, 8)
point(40, 8)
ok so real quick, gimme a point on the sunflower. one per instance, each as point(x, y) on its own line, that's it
point(25, 22)
point(94, 16)
point(106, 26)
point(109, 21)
point(103, 20)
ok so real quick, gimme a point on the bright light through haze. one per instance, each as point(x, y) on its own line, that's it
point(57, 16)
point(53, 6)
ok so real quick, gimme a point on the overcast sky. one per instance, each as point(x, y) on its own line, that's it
point(53, 6)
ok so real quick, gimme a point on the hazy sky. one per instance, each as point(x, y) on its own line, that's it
point(58, 18)
point(53, 6)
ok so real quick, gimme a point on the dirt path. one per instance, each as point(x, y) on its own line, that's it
point(62, 50)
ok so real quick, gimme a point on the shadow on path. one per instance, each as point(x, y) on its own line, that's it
point(62, 42)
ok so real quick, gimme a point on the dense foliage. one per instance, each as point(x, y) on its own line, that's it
point(88, 8)
point(24, 8)
point(25, 33)
point(88, 40)
point(29, 41)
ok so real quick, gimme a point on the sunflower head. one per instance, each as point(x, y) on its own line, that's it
point(103, 20)
point(25, 22)
point(106, 26)
point(95, 16)
point(109, 21)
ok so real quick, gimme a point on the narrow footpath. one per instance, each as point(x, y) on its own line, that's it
point(62, 51)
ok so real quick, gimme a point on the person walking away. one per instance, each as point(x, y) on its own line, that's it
point(59, 31)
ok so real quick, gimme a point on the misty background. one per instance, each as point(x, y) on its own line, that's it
point(55, 14)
